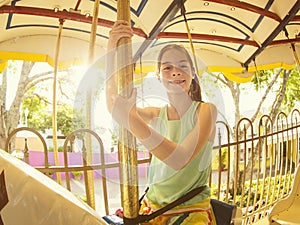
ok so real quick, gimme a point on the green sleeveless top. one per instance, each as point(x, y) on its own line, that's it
point(167, 184)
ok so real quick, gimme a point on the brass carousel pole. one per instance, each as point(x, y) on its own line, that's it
point(126, 145)
point(90, 178)
point(54, 100)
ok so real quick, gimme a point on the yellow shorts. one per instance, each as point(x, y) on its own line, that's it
point(197, 214)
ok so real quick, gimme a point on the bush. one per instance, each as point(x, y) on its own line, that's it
point(275, 184)
point(60, 149)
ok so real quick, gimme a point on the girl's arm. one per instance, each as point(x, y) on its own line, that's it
point(173, 154)
point(120, 29)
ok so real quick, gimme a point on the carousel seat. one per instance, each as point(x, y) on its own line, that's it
point(286, 211)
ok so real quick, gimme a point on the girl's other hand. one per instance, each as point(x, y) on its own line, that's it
point(121, 29)
point(122, 108)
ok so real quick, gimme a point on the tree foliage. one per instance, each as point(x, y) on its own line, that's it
point(279, 82)
point(291, 94)
point(40, 117)
point(31, 86)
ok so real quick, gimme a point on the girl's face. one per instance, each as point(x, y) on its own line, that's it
point(175, 71)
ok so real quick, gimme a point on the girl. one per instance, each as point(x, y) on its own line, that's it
point(180, 137)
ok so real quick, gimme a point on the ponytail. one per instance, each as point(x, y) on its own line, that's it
point(195, 90)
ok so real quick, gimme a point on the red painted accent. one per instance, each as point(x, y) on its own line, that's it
point(64, 14)
point(207, 38)
point(248, 7)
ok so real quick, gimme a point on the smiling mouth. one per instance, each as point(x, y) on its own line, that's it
point(177, 81)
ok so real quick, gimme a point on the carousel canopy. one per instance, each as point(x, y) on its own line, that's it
point(229, 36)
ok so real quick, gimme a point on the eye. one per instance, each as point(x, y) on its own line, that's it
point(167, 68)
point(184, 66)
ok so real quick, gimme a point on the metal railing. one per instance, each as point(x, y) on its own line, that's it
point(252, 168)
point(258, 164)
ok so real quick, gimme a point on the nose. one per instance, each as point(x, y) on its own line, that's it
point(176, 71)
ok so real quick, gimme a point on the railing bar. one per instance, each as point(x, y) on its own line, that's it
point(254, 138)
point(270, 151)
point(228, 172)
point(286, 161)
point(219, 173)
point(66, 162)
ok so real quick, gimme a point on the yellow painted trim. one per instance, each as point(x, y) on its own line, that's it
point(238, 79)
point(272, 66)
point(23, 56)
point(225, 69)
point(39, 58)
point(146, 69)
point(250, 69)
point(229, 72)
point(3, 65)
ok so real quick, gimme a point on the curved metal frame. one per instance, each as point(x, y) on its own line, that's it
point(10, 136)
